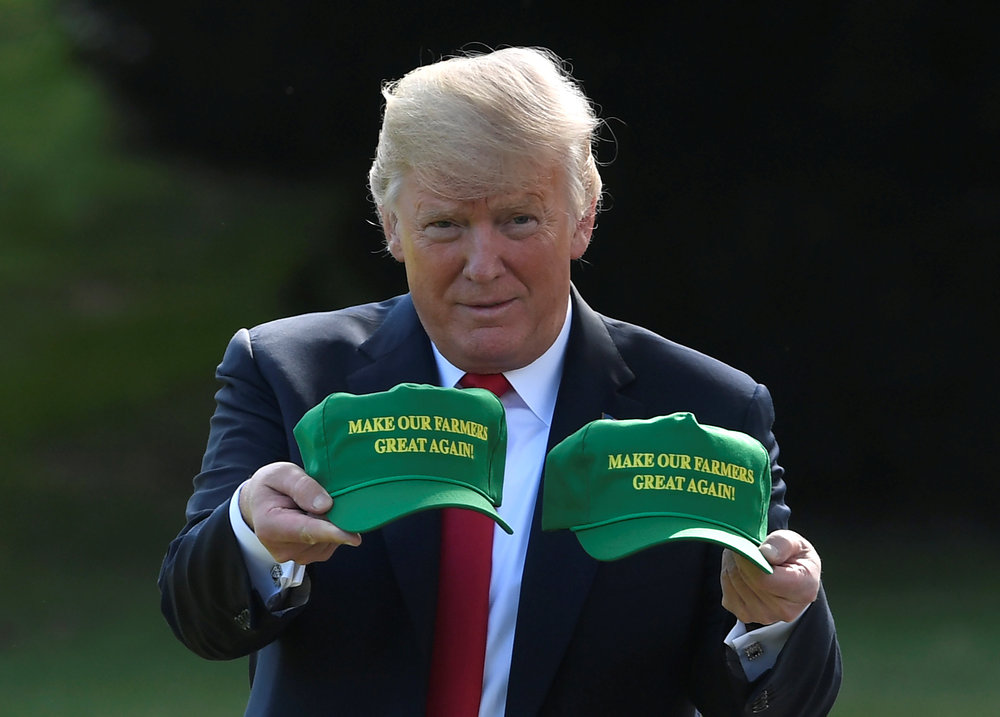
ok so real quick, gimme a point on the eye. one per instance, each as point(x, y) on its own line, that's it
point(521, 225)
point(440, 230)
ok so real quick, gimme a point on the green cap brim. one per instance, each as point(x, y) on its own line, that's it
point(369, 507)
point(614, 540)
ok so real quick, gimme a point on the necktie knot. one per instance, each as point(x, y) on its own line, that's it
point(496, 383)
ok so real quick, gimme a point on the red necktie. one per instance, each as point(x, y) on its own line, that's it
point(463, 606)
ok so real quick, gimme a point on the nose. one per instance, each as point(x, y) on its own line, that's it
point(484, 255)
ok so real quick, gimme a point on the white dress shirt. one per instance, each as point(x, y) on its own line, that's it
point(529, 409)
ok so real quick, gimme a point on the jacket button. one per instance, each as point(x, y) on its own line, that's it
point(760, 704)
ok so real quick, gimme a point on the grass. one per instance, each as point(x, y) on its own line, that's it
point(97, 647)
point(915, 621)
point(121, 278)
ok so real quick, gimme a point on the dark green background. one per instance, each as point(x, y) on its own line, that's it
point(810, 194)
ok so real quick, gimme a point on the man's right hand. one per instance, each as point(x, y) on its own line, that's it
point(286, 508)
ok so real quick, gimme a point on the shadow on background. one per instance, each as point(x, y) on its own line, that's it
point(809, 194)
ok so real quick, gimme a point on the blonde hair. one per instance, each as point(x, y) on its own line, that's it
point(473, 125)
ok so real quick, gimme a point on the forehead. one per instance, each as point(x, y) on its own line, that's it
point(422, 191)
point(423, 202)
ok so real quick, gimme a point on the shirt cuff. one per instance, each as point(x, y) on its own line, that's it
point(758, 649)
point(268, 577)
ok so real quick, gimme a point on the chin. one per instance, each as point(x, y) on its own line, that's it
point(494, 361)
point(491, 350)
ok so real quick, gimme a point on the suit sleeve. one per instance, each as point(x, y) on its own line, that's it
point(206, 593)
point(806, 678)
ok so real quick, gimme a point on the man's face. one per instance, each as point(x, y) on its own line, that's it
point(489, 277)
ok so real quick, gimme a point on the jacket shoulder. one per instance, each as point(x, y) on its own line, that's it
point(648, 352)
point(352, 325)
point(316, 351)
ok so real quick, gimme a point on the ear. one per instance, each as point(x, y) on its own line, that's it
point(584, 230)
point(390, 227)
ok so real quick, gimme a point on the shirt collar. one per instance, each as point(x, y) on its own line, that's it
point(537, 384)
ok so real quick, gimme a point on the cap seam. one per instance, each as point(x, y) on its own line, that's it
point(588, 484)
point(631, 516)
point(399, 479)
point(326, 442)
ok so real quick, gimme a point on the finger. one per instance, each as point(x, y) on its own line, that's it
point(303, 554)
point(291, 525)
point(784, 546)
point(797, 568)
point(289, 534)
point(731, 599)
point(757, 597)
point(309, 494)
point(795, 584)
point(291, 480)
point(740, 596)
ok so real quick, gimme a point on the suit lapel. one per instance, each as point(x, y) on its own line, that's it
point(557, 572)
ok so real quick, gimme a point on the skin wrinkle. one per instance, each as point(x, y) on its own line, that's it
point(489, 276)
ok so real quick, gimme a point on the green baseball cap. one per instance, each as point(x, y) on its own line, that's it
point(623, 486)
point(382, 456)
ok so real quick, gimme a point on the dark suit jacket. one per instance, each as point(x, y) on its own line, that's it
point(638, 636)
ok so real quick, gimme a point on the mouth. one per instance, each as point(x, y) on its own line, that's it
point(490, 304)
point(488, 308)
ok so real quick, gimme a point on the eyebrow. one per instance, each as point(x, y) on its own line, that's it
point(435, 208)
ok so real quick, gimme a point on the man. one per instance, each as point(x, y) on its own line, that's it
point(487, 190)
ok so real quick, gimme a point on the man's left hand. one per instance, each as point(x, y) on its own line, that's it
point(753, 596)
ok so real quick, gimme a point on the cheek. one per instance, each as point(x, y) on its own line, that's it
point(551, 271)
point(430, 272)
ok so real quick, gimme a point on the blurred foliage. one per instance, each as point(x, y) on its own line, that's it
point(807, 191)
point(124, 272)
point(126, 263)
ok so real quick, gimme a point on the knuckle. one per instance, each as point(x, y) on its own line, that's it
point(306, 536)
point(302, 483)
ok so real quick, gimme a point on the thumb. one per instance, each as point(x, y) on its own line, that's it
point(778, 548)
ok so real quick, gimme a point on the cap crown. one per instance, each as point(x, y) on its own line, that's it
point(670, 466)
point(426, 435)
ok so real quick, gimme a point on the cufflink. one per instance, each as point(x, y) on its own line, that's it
point(753, 651)
point(276, 575)
point(242, 619)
